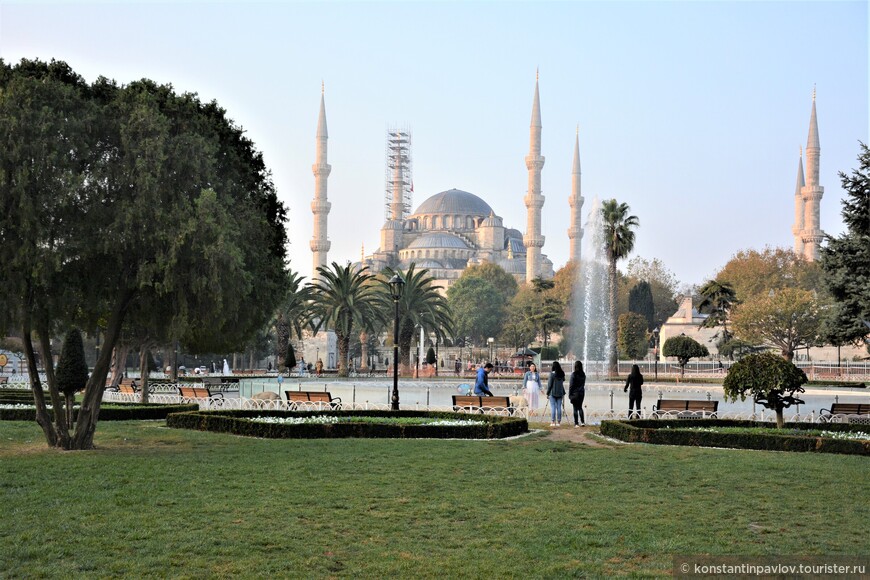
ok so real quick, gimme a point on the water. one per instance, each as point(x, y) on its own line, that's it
point(591, 311)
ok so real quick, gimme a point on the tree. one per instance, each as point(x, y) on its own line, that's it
point(293, 315)
point(640, 300)
point(632, 335)
point(289, 359)
point(750, 273)
point(517, 329)
point(421, 304)
point(846, 260)
point(430, 356)
point(505, 283)
point(664, 285)
point(547, 311)
point(771, 380)
point(157, 196)
point(72, 370)
point(344, 299)
point(618, 228)
point(476, 307)
point(684, 348)
point(788, 319)
point(717, 300)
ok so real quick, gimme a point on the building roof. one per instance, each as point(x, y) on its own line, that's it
point(438, 240)
point(454, 201)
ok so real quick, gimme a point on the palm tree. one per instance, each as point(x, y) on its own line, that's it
point(618, 233)
point(420, 305)
point(344, 299)
point(294, 314)
point(718, 299)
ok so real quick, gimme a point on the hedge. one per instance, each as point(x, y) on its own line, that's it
point(237, 422)
point(108, 412)
point(676, 432)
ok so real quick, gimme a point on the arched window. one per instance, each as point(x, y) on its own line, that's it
point(469, 223)
point(434, 222)
point(426, 222)
point(457, 222)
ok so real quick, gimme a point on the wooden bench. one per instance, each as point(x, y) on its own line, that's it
point(190, 394)
point(846, 409)
point(685, 409)
point(480, 404)
point(311, 399)
point(4, 380)
point(128, 387)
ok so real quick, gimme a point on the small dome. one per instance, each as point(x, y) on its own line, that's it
point(439, 240)
point(513, 266)
point(493, 221)
point(427, 264)
point(454, 201)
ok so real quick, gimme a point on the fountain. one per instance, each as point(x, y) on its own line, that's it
point(591, 310)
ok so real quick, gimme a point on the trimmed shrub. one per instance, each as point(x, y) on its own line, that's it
point(679, 432)
point(108, 412)
point(238, 422)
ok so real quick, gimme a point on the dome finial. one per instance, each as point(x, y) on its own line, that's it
point(538, 74)
point(322, 87)
point(814, 92)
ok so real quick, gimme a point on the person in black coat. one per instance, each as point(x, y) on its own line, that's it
point(577, 392)
point(635, 393)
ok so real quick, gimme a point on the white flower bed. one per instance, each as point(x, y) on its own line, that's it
point(857, 436)
point(331, 419)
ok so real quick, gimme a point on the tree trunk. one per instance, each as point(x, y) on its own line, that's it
point(43, 419)
point(780, 419)
point(89, 411)
point(364, 351)
point(343, 347)
point(612, 363)
point(119, 362)
point(144, 372)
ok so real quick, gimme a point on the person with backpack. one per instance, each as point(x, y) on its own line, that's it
point(577, 392)
point(556, 392)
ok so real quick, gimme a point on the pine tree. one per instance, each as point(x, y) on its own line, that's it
point(846, 260)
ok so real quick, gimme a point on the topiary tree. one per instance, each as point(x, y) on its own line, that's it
point(632, 336)
point(290, 357)
point(72, 370)
point(684, 348)
point(430, 356)
point(770, 379)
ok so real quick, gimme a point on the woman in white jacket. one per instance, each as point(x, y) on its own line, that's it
point(532, 386)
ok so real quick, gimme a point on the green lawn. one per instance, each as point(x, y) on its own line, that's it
point(153, 501)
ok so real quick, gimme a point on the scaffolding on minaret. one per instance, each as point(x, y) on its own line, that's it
point(398, 155)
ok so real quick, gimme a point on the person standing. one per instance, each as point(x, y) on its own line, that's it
point(318, 367)
point(556, 392)
point(481, 384)
point(532, 385)
point(577, 392)
point(635, 393)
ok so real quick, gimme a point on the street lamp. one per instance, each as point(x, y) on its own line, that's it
point(656, 350)
point(490, 340)
point(397, 286)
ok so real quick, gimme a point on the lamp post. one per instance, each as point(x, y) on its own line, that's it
point(397, 285)
point(490, 340)
point(656, 351)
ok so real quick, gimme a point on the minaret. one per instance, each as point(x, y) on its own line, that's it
point(575, 200)
point(798, 227)
point(533, 240)
point(812, 192)
point(320, 206)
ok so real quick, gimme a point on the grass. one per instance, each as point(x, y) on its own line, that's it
point(152, 501)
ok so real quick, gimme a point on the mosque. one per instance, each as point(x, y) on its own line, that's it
point(453, 229)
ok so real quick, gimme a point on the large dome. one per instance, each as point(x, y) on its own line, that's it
point(439, 241)
point(454, 201)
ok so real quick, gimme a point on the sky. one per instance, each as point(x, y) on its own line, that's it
point(692, 113)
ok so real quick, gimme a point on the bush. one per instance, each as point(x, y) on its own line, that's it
point(549, 353)
point(238, 422)
point(72, 370)
point(129, 412)
point(677, 432)
point(771, 380)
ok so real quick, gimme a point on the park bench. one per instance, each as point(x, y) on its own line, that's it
point(845, 409)
point(685, 409)
point(311, 399)
point(128, 387)
point(190, 394)
point(480, 404)
point(4, 380)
